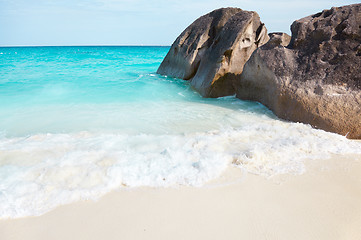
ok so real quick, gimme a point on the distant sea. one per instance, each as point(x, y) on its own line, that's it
point(78, 122)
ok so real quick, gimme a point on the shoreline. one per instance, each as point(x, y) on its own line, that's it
point(322, 203)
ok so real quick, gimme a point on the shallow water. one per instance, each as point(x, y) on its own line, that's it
point(78, 122)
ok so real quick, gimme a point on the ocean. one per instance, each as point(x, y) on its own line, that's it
point(79, 122)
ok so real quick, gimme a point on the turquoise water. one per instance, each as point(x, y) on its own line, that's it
point(78, 75)
point(48, 86)
point(69, 89)
point(78, 122)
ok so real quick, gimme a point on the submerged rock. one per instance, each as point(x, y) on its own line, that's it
point(316, 79)
point(213, 49)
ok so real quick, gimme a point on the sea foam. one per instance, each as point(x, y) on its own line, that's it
point(43, 171)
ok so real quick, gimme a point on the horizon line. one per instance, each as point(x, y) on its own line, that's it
point(88, 45)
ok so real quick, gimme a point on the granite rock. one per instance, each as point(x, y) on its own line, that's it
point(316, 78)
point(213, 49)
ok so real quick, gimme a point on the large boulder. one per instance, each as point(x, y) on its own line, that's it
point(316, 79)
point(213, 49)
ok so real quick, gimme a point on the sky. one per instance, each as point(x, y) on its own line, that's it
point(131, 22)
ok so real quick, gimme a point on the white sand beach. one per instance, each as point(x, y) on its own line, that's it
point(246, 126)
point(323, 203)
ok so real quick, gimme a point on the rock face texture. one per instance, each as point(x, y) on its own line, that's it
point(213, 49)
point(314, 79)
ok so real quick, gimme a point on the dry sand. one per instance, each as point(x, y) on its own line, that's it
point(323, 203)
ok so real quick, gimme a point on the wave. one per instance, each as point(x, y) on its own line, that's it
point(42, 171)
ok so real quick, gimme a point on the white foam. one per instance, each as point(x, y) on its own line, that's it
point(43, 171)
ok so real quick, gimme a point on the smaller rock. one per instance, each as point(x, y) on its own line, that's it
point(278, 39)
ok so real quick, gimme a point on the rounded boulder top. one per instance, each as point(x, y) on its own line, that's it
point(213, 49)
